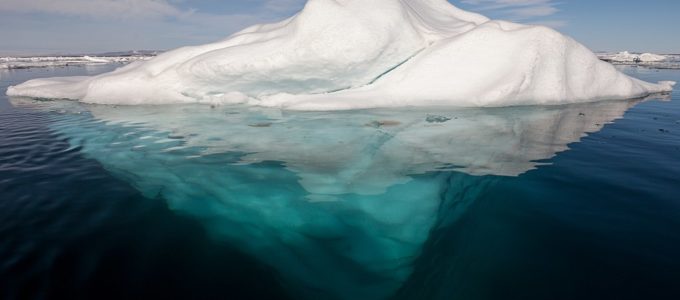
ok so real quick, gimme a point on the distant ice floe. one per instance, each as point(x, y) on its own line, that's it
point(352, 54)
point(63, 61)
point(651, 60)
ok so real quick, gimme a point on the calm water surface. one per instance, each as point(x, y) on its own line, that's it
point(198, 202)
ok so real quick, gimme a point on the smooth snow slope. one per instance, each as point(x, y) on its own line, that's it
point(345, 54)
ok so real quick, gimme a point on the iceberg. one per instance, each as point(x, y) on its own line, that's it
point(350, 54)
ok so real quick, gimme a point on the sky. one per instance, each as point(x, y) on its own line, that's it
point(29, 27)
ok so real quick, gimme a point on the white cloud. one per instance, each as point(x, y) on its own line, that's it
point(283, 5)
point(91, 26)
point(95, 8)
point(517, 10)
point(552, 23)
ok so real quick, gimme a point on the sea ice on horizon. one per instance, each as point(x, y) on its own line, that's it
point(62, 61)
point(347, 54)
point(626, 56)
point(649, 60)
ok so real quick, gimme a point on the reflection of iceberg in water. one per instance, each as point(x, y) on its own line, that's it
point(339, 203)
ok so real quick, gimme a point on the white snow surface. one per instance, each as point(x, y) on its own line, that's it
point(349, 54)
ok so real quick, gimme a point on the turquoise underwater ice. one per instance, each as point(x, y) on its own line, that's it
point(340, 204)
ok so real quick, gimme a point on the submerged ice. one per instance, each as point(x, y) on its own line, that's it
point(365, 53)
point(339, 203)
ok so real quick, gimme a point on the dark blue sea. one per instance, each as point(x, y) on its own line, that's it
point(232, 202)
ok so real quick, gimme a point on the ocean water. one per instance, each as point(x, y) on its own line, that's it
point(231, 202)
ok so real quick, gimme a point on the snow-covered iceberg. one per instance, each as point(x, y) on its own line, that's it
point(345, 54)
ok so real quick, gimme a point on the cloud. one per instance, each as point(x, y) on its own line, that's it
point(181, 10)
point(517, 10)
point(552, 23)
point(284, 6)
point(95, 8)
point(91, 26)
